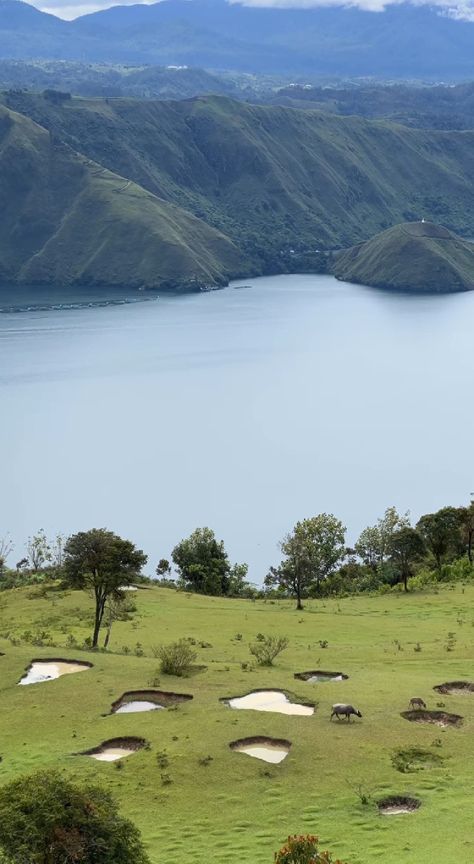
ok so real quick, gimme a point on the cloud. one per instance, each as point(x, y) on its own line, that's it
point(459, 9)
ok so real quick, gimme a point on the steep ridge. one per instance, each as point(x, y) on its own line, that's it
point(68, 221)
point(416, 256)
point(280, 182)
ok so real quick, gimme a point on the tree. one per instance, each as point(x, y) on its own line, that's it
point(441, 532)
point(373, 544)
point(117, 608)
point(311, 551)
point(203, 564)
point(6, 547)
point(163, 568)
point(101, 562)
point(45, 819)
point(466, 519)
point(406, 547)
point(39, 550)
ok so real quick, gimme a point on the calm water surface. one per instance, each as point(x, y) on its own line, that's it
point(244, 410)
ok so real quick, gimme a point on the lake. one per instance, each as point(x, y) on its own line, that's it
point(244, 410)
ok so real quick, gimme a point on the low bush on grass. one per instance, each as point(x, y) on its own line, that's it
point(303, 849)
point(176, 658)
point(268, 649)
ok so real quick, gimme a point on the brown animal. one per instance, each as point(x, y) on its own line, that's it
point(417, 703)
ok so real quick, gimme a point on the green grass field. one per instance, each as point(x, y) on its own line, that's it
point(237, 808)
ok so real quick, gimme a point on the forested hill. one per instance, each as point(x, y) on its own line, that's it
point(416, 256)
point(67, 221)
point(210, 187)
point(340, 41)
point(319, 181)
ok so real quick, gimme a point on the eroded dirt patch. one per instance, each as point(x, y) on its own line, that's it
point(261, 747)
point(319, 676)
point(455, 688)
point(277, 701)
point(395, 805)
point(147, 700)
point(52, 668)
point(115, 748)
point(436, 718)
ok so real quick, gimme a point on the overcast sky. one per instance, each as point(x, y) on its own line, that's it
point(71, 9)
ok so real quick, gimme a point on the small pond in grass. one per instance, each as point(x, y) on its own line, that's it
point(270, 700)
point(267, 749)
point(48, 670)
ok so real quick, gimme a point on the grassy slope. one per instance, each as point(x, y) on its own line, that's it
point(69, 221)
point(316, 179)
point(238, 808)
point(414, 256)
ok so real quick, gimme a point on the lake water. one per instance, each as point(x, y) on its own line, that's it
point(244, 410)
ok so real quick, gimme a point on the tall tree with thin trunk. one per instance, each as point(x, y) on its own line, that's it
point(441, 532)
point(102, 563)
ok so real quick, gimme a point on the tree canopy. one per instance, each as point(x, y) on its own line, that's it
point(203, 565)
point(311, 552)
point(103, 563)
point(45, 819)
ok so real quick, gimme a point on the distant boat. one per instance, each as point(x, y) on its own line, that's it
point(241, 286)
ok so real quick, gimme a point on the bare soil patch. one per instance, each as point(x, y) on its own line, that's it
point(319, 676)
point(394, 805)
point(437, 718)
point(455, 688)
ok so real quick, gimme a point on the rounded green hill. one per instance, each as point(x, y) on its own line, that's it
point(413, 256)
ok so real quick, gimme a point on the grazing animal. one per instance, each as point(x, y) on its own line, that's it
point(342, 710)
point(416, 702)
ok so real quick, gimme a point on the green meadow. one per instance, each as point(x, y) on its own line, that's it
point(232, 807)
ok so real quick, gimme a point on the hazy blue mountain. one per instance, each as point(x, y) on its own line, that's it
point(215, 34)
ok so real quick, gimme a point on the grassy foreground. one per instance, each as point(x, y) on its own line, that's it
point(237, 808)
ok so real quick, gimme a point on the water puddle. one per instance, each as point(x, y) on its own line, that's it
point(317, 676)
point(137, 706)
point(269, 700)
point(48, 670)
point(272, 750)
point(147, 700)
point(115, 748)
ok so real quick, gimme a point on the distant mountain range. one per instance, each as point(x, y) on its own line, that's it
point(405, 41)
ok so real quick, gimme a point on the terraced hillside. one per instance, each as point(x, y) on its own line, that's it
point(191, 794)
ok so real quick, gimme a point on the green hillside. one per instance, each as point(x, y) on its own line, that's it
point(315, 180)
point(416, 256)
point(230, 807)
point(68, 221)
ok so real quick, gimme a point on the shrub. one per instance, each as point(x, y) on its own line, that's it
point(176, 658)
point(266, 650)
point(303, 849)
point(44, 817)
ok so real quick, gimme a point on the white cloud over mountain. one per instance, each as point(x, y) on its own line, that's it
point(463, 9)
